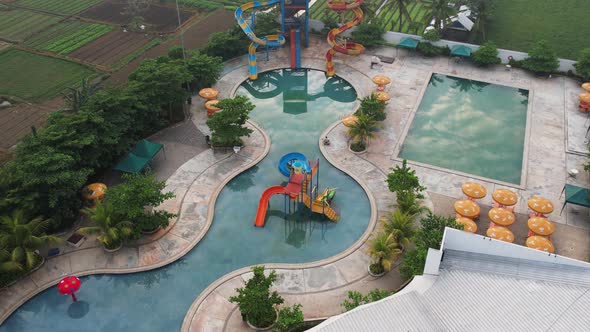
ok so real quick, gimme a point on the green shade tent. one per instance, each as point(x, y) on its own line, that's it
point(409, 43)
point(461, 50)
point(141, 155)
point(576, 195)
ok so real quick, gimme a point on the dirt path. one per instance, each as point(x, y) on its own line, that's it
point(195, 37)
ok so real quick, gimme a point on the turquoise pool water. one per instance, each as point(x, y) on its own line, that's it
point(470, 126)
point(294, 109)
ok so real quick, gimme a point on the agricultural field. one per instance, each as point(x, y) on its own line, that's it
point(156, 18)
point(16, 25)
point(35, 77)
point(68, 7)
point(211, 5)
point(517, 25)
point(113, 47)
point(320, 9)
point(67, 36)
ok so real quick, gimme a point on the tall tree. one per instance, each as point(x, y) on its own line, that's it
point(228, 126)
point(483, 11)
point(402, 7)
point(75, 98)
point(440, 11)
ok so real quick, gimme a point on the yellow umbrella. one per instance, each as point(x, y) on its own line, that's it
point(349, 120)
point(540, 243)
point(381, 81)
point(468, 224)
point(540, 205)
point(95, 191)
point(467, 208)
point(383, 96)
point(208, 93)
point(585, 97)
point(501, 216)
point(586, 86)
point(474, 190)
point(500, 233)
point(505, 197)
point(209, 105)
point(541, 226)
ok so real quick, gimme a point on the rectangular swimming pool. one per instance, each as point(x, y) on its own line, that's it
point(469, 126)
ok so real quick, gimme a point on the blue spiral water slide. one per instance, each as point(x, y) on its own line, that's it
point(268, 41)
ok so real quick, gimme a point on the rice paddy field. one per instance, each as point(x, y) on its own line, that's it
point(16, 25)
point(67, 36)
point(67, 7)
point(35, 77)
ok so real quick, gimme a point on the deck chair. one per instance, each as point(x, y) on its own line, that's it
point(575, 195)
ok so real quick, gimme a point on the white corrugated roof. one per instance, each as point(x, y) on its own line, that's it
point(478, 292)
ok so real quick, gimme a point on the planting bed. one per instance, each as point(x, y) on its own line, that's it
point(112, 47)
point(17, 24)
point(157, 18)
point(34, 77)
point(67, 36)
point(58, 6)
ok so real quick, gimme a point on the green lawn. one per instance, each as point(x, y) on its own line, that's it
point(35, 77)
point(16, 25)
point(59, 6)
point(67, 36)
point(518, 24)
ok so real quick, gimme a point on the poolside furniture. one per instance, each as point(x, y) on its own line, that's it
point(540, 243)
point(467, 208)
point(94, 192)
point(381, 81)
point(575, 195)
point(540, 206)
point(474, 190)
point(461, 51)
point(383, 96)
point(468, 224)
point(208, 93)
point(139, 158)
point(210, 108)
point(540, 226)
point(504, 198)
point(500, 233)
point(350, 120)
point(501, 216)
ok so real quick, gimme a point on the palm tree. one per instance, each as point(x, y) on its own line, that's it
point(363, 129)
point(77, 97)
point(19, 240)
point(385, 250)
point(402, 7)
point(400, 225)
point(440, 11)
point(112, 231)
point(482, 9)
point(409, 203)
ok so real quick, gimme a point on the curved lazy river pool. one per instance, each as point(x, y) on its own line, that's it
point(294, 107)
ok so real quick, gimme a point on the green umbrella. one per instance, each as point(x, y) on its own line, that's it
point(461, 50)
point(409, 43)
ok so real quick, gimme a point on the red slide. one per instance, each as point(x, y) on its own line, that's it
point(293, 49)
point(263, 204)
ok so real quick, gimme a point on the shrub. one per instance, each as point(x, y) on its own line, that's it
point(428, 236)
point(427, 49)
point(330, 21)
point(404, 180)
point(356, 299)
point(130, 198)
point(542, 59)
point(362, 130)
point(486, 55)
point(358, 146)
point(385, 250)
point(372, 108)
point(112, 230)
point(583, 64)
point(369, 33)
point(227, 44)
point(255, 301)
point(289, 319)
point(228, 127)
point(267, 24)
point(431, 35)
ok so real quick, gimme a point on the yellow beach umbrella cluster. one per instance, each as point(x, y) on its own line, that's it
point(381, 81)
point(585, 98)
point(209, 94)
point(350, 120)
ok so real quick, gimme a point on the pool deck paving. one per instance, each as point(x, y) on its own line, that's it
point(321, 286)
